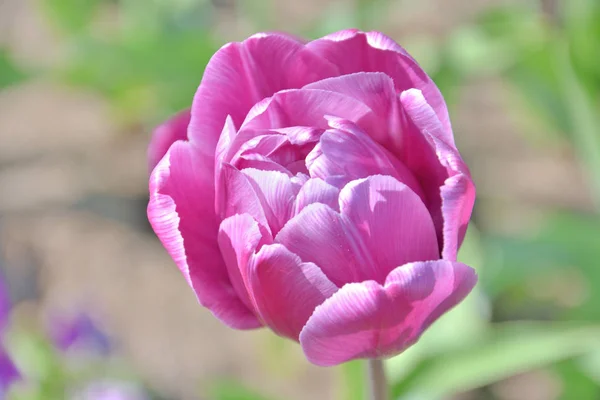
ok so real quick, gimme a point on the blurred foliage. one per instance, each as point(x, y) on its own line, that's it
point(50, 373)
point(147, 58)
point(231, 390)
point(10, 73)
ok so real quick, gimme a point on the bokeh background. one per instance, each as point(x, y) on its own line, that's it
point(82, 83)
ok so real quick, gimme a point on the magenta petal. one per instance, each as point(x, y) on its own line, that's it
point(240, 75)
point(376, 90)
point(392, 221)
point(239, 236)
point(276, 193)
point(261, 162)
point(320, 235)
point(181, 212)
point(423, 115)
point(228, 135)
point(346, 157)
point(286, 290)
point(306, 107)
point(457, 191)
point(354, 51)
point(346, 153)
point(236, 195)
point(458, 198)
point(317, 191)
point(369, 320)
point(165, 135)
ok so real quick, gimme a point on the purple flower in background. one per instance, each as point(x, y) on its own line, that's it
point(5, 305)
point(77, 331)
point(8, 370)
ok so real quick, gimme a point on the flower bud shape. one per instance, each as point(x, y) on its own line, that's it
point(315, 188)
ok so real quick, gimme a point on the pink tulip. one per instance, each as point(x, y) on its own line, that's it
point(316, 190)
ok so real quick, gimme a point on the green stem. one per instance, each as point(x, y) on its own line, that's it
point(378, 387)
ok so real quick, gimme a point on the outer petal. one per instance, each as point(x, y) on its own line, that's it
point(181, 212)
point(239, 237)
point(353, 51)
point(369, 320)
point(165, 135)
point(458, 198)
point(457, 191)
point(393, 223)
point(286, 291)
point(240, 75)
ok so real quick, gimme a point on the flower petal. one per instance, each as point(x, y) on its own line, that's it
point(346, 157)
point(240, 75)
point(354, 51)
point(286, 290)
point(306, 107)
point(165, 135)
point(316, 191)
point(393, 223)
point(369, 320)
point(181, 212)
point(239, 237)
point(457, 193)
point(458, 198)
point(237, 195)
point(320, 235)
point(276, 193)
point(376, 90)
point(346, 153)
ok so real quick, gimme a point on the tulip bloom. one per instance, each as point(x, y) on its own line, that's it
point(315, 188)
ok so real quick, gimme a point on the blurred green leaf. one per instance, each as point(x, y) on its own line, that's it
point(535, 75)
point(582, 30)
point(575, 383)
point(506, 350)
point(583, 115)
point(471, 52)
point(39, 364)
point(512, 260)
point(231, 390)
point(9, 71)
point(144, 79)
point(72, 16)
point(578, 235)
point(566, 241)
point(352, 380)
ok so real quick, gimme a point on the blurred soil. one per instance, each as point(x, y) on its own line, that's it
point(73, 228)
